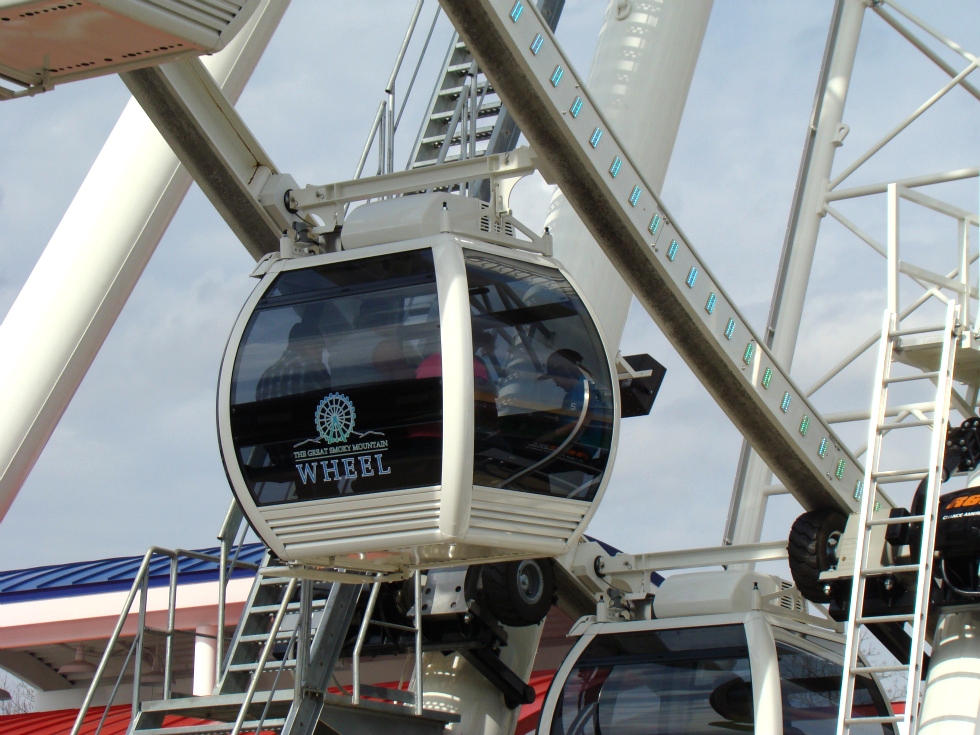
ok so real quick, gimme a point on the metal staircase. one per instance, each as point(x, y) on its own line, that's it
point(465, 116)
point(872, 520)
point(280, 665)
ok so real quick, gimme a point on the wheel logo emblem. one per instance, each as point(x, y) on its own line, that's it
point(335, 418)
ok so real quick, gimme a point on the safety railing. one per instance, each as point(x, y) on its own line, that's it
point(227, 559)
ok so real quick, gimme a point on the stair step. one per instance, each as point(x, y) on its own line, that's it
point(487, 109)
point(216, 728)
point(289, 663)
point(282, 635)
point(456, 91)
point(482, 133)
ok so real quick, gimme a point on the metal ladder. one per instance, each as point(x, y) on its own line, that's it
point(866, 568)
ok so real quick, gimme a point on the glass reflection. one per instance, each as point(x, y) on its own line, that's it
point(337, 385)
point(543, 391)
point(671, 682)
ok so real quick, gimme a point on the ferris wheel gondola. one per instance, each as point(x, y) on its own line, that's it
point(424, 396)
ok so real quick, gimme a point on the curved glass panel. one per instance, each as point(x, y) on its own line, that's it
point(337, 383)
point(544, 401)
point(666, 682)
point(810, 687)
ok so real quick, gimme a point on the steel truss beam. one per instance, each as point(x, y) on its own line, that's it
point(554, 109)
point(214, 144)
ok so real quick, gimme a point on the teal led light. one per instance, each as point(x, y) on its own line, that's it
point(766, 377)
point(596, 135)
point(672, 250)
point(822, 451)
point(877, 506)
point(616, 165)
point(784, 405)
point(730, 329)
point(537, 43)
point(841, 464)
point(655, 224)
point(858, 489)
point(556, 75)
point(516, 11)
point(635, 195)
point(749, 353)
point(804, 424)
point(576, 107)
point(692, 277)
point(709, 305)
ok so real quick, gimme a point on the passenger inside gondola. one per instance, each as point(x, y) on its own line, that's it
point(551, 424)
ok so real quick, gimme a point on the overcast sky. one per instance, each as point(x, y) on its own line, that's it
point(135, 462)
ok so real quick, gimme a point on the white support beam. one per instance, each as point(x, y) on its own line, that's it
point(214, 144)
point(591, 165)
point(80, 284)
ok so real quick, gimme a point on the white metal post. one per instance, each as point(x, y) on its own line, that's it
point(750, 498)
point(80, 284)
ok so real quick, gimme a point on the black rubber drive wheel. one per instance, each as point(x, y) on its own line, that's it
point(812, 549)
point(519, 593)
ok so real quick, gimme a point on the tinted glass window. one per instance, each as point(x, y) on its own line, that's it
point(673, 682)
point(811, 695)
point(337, 384)
point(544, 402)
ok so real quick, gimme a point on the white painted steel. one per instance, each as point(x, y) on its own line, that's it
point(43, 43)
point(750, 500)
point(640, 78)
point(69, 303)
point(768, 712)
point(649, 249)
point(951, 703)
point(865, 563)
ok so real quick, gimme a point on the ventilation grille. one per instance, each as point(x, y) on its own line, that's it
point(508, 512)
point(487, 225)
point(349, 521)
point(792, 600)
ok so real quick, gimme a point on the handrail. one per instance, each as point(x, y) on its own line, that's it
point(141, 586)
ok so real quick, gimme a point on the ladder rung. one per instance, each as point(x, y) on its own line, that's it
point(873, 720)
point(899, 475)
point(906, 618)
point(904, 425)
point(879, 669)
point(895, 521)
point(894, 569)
point(917, 330)
point(907, 378)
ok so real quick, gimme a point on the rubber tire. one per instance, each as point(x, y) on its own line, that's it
point(506, 598)
point(808, 553)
